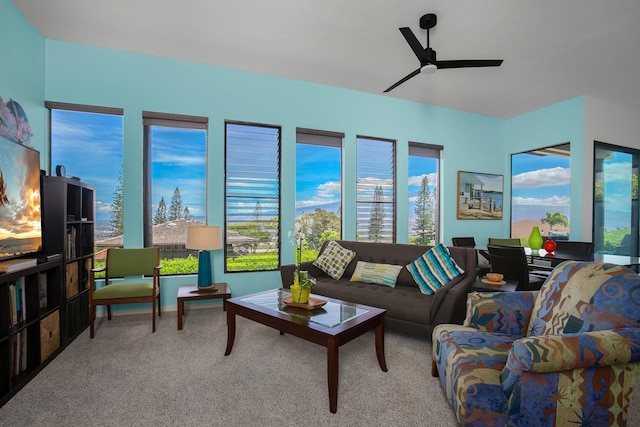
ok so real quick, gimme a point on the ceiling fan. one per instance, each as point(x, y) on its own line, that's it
point(427, 56)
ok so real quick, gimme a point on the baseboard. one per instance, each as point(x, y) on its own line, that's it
point(101, 311)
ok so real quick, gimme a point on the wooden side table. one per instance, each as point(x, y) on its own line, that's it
point(192, 293)
point(479, 286)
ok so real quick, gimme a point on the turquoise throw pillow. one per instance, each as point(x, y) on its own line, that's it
point(434, 269)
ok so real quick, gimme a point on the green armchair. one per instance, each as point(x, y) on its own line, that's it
point(139, 274)
point(568, 354)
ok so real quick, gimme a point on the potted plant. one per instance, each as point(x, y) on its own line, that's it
point(302, 282)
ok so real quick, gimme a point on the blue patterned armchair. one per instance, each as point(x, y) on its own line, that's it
point(568, 354)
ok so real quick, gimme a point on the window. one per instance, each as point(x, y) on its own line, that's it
point(175, 170)
point(540, 193)
point(318, 186)
point(375, 190)
point(252, 197)
point(80, 129)
point(615, 199)
point(424, 211)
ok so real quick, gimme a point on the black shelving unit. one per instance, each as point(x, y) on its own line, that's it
point(68, 227)
point(30, 304)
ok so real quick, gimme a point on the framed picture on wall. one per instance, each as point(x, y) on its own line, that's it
point(479, 195)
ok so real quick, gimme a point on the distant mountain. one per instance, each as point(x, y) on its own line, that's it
point(329, 207)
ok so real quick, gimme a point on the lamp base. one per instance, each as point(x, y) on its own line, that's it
point(211, 288)
point(204, 270)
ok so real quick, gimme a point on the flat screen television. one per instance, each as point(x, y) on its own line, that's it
point(20, 213)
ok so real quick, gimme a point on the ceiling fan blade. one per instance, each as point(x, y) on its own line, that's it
point(413, 42)
point(402, 80)
point(466, 63)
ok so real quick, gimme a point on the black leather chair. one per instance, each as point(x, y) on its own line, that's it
point(469, 242)
point(582, 251)
point(511, 262)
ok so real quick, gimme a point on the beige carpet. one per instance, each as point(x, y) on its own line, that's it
point(128, 376)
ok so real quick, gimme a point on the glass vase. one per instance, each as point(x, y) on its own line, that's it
point(535, 240)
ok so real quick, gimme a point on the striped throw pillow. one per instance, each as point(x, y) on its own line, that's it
point(434, 269)
point(381, 274)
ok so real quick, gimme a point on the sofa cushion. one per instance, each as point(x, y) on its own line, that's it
point(434, 269)
point(402, 303)
point(334, 259)
point(381, 274)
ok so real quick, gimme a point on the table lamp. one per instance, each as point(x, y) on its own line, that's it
point(204, 238)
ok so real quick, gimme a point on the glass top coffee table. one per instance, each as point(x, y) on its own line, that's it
point(330, 325)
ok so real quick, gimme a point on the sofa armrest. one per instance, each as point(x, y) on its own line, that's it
point(502, 312)
point(555, 353)
point(288, 270)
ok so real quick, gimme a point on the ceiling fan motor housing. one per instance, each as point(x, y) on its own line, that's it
point(428, 21)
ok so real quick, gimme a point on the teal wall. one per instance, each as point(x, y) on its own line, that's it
point(22, 70)
point(65, 72)
point(95, 76)
point(552, 125)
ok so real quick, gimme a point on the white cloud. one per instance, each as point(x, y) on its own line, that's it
point(533, 201)
point(617, 172)
point(552, 177)
point(328, 192)
point(416, 181)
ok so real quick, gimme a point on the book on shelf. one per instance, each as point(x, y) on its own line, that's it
point(19, 353)
point(16, 264)
point(42, 289)
point(17, 303)
point(71, 242)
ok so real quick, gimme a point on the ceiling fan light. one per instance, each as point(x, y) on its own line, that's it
point(428, 69)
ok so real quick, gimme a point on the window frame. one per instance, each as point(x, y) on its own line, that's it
point(150, 118)
point(278, 229)
point(394, 179)
point(324, 138)
point(81, 108)
point(432, 151)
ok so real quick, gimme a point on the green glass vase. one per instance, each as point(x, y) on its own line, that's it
point(535, 239)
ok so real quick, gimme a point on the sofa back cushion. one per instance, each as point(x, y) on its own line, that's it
point(586, 296)
point(401, 254)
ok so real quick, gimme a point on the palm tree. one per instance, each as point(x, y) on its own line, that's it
point(555, 218)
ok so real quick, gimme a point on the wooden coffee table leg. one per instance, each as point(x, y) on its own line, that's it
point(332, 374)
point(231, 331)
point(380, 346)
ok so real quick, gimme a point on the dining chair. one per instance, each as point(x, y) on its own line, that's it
point(504, 241)
point(470, 242)
point(582, 251)
point(511, 261)
point(130, 276)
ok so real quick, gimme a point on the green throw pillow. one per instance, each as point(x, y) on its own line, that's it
point(334, 259)
point(381, 274)
point(434, 269)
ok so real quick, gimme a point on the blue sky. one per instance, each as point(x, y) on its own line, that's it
point(179, 160)
point(90, 147)
point(539, 184)
point(179, 157)
point(318, 176)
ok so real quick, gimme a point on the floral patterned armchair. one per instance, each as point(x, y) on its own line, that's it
point(568, 354)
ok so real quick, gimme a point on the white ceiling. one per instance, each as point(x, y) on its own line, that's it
point(552, 50)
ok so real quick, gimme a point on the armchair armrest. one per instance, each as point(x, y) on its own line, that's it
point(555, 353)
point(501, 312)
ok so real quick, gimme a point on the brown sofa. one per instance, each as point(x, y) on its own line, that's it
point(408, 309)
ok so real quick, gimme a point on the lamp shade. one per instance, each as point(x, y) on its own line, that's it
point(204, 237)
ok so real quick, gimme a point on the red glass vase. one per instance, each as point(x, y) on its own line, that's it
point(549, 245)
